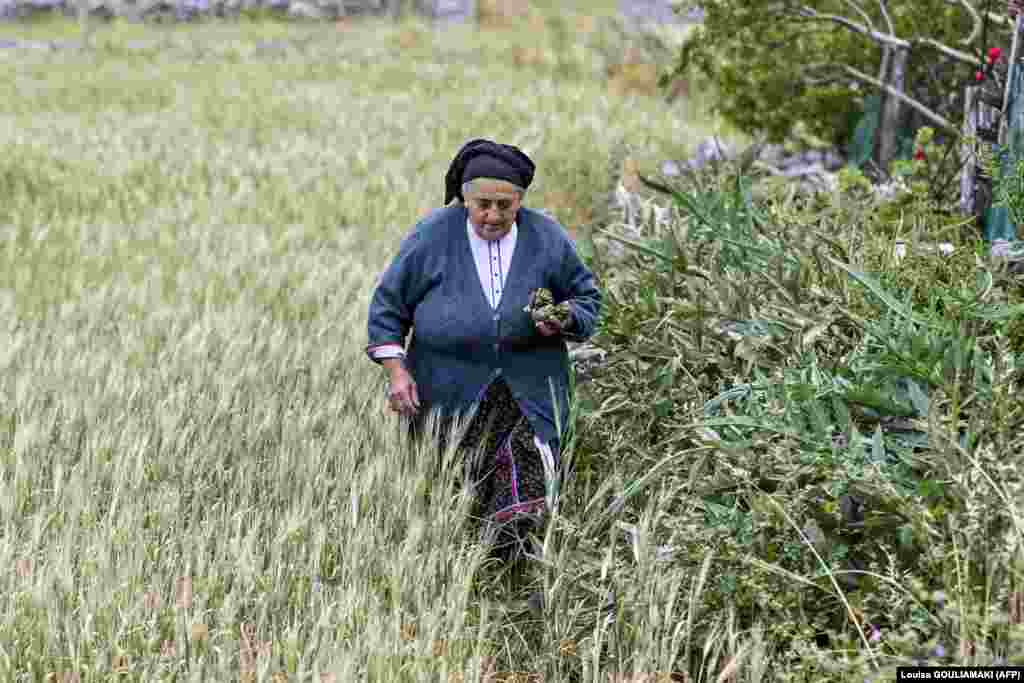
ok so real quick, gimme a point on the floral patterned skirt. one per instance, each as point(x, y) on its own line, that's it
point(505, 466)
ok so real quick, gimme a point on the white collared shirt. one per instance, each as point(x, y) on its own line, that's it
point(493, 260)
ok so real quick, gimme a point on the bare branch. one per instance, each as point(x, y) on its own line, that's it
point(852, 4)
point(909, 101)
point(883, 38)
point(817, 82)
point(884, 6)
point(883, 69)
point(976, 31)
point(997, 18)
point(946, 50)
point(829, 77)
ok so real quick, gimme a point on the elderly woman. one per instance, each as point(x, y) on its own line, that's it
point(471, 281)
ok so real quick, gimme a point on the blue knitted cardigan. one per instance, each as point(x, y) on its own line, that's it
point(459, 343)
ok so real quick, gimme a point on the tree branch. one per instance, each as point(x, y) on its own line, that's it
point(909, 101)
point(886, 38)
point(884, 6)
point(997, 18)
point(977, 23)
point(863, 15)
point(946, 50)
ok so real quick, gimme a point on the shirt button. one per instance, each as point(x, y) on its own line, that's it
point(497, 317)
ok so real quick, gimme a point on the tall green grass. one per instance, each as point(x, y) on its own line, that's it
point(199, 479)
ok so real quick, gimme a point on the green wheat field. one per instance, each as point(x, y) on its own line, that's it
point(199, 478)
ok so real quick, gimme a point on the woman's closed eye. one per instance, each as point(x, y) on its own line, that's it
point(501, 204)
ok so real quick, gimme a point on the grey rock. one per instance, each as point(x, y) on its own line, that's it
point(671, 169)
point(197, 6)
point(163, 11)
point(797, 164)
point(190, 10)
point(448, 11)
point(648, 11)
point(710, 150)
point(26, 9)
point(305, 10)
point(773, 154)
point(803, 169)
point(833, 160)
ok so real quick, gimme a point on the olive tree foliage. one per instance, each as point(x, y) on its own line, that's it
point(785, 65)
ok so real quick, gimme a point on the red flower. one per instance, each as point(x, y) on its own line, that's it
point(919, 155)
point(994, 54)
point(979, 76)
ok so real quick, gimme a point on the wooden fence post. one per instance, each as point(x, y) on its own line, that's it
point(979, 128)
point(968, 152)
point(889, 121)
point(1014, 54)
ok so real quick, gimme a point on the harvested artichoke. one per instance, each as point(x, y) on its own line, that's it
point(542, 308)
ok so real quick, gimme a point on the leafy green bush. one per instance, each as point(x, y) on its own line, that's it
point(764, 89)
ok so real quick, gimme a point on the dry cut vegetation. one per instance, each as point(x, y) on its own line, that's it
point(837, 431)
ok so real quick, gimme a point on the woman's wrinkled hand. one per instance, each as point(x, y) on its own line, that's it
point(402, 395)
point(548, 317)
point(549, 328)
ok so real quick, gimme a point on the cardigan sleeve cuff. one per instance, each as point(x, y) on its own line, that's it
point(379, 352)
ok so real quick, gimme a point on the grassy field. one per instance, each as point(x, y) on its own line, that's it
point(198, 476)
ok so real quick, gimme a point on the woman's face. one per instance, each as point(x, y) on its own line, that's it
point(492, 208)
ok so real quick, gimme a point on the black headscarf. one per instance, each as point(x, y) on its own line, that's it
point(502, 162)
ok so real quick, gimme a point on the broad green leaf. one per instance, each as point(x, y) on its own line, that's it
point(875, 288)
point(918, 398)
point(862, 143)
point(878, 445)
